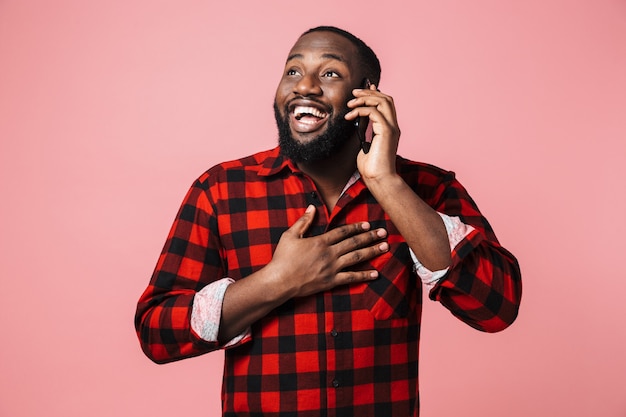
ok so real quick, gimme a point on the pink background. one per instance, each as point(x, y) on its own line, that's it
point(108, 111)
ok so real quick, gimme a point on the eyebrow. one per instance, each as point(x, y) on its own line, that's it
point(326, 56)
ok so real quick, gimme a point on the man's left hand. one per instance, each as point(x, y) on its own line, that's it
point(380, 161)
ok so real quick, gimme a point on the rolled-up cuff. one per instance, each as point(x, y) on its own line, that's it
point(207, 313)
point(456, 231)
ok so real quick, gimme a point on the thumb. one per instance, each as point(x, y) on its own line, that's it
point(301, 225)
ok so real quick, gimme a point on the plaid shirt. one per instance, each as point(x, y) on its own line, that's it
point(345, 352)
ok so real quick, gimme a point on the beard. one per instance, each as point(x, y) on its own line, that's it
point(338, 132)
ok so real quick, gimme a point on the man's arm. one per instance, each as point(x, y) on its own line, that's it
point(191, 260)
point(483, 284)
point(419, 224)
point(301, 267)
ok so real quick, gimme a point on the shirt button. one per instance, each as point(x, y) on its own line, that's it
point(313, 195)
point(335, 383)
point(334, 333)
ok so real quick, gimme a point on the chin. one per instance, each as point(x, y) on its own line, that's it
point(312, 146)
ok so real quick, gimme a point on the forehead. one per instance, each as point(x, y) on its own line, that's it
point(322, 43)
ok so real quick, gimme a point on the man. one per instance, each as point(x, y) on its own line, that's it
point(307, 262)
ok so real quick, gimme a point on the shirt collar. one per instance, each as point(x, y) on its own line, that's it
point(274, 163)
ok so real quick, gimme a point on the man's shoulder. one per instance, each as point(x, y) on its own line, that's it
point(252, 161)
point(256, 162)
point(422, 171)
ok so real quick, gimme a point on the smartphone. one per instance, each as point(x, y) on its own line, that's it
point(361, 124)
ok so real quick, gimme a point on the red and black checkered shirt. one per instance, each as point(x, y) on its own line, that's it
point(350, 351)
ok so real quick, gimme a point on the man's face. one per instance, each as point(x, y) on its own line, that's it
point(320, 74)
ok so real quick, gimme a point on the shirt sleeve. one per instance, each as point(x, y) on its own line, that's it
point(482, 286)
point(207, 312)
point(191, 259)
point(456, 231)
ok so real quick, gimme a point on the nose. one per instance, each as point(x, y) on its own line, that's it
point(308, 85)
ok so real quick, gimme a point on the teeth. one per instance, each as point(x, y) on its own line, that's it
point(300, 111)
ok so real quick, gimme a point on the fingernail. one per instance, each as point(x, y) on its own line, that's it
point(374, 274)
point(310, 208)
point(384, 247)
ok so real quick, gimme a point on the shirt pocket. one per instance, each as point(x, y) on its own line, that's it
point(397, 291)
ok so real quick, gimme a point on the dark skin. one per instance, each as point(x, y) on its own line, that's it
point(323, 72)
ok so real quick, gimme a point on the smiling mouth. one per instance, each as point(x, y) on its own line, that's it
point(308, 114)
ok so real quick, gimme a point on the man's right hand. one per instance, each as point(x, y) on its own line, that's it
point(301, 266)
point(307, 265)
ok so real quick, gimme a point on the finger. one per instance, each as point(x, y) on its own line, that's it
point(381, 112)
point(367, 100)
point(370, 97)
point(299, 228)
point(374, 116)
point(371, 93)
point(352, 244)
point(364, 252)
point(342, 233)
point(352, 277)
point(372, 113)
point(380, 125)
point(383, 104)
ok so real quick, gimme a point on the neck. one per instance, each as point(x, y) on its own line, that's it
point(332, 174)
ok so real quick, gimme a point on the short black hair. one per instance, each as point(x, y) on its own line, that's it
point(366, 54)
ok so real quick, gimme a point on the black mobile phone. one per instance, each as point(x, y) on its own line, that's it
point(361, 124)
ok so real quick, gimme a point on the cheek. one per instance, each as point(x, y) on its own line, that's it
point(340, 101)
point(283, 90)
point(338, 97)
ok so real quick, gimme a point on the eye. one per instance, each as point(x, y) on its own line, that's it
point(292, 71)
point(331, 74)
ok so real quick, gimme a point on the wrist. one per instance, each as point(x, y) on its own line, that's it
point(277, 284)
point(385, 183)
